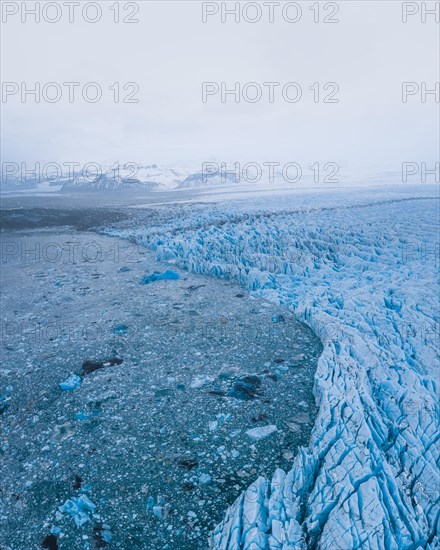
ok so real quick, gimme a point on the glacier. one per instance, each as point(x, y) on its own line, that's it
point(362, 271)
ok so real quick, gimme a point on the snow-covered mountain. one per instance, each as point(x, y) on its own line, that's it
point(200, 180)
point(128, 177)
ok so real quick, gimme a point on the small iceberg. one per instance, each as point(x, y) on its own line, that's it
point(205, 479)
point(261, 432)
point(121, 330)
point(78, 509)
point(167, 275)
point(71, 383)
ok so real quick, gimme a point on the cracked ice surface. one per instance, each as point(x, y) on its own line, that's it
point(364, 276)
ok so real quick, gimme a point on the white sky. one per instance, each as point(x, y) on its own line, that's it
point(170, 52)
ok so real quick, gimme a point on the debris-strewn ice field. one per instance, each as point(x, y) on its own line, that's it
point(137, 401)
point(363, 274)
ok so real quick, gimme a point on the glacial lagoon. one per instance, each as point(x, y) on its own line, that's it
point(136, 409)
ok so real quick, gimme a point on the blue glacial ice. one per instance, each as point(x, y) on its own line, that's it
point(78, 508)
point(71, 383)
point(167, 275)
point(363, 274)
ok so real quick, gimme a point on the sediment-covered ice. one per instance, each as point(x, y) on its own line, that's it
point(364, 277)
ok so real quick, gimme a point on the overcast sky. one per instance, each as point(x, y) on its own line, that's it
point(171, 52)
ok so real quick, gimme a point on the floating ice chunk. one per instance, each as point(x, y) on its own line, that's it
point(80, 518)
point(162, 512)
point(158, 511)
point(221, 419)
point(103, 535)
point(205, 479)
point(106, 535)
point(85, 416)
point(71, 383)
point(78, 509)
point(261, 432)
point(167, 275)
point(235, 454)
point(293, 426)
point(120, 329)
point(277, 318)
point(150, 503)
point(200, 381)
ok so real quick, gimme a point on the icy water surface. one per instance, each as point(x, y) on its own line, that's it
point(175, 383)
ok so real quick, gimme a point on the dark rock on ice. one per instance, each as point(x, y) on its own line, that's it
point(50, 542)
point(259, 417)
point(219, 393)
point(77, 483)
point(246, 388)
point(91, 366)
point(195, 287)
point(187, 463)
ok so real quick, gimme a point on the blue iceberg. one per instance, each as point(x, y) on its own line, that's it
point(78, 508)
point(71, 383)
point(167, 275)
